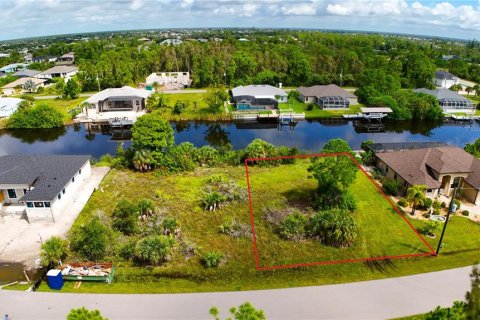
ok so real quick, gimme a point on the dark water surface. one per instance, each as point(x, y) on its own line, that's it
point(306, 135)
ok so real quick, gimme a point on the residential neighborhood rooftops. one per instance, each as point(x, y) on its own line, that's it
point(13, 66)
point(441, 93)
point(445, 75)
point(46, 174)
point(325, 91)
point(21, 82)
point(60, 69)
point(415, 166)
point(259, 91)
point(124, 92)
point(26, 73)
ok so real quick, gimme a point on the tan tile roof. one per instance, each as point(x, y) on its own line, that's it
point(414, 165)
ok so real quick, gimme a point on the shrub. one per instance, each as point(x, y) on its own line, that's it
point(213, 200)
point(42, 116)
point(125, 217)
point(443, 204)
point(169, 225)
point(334, 227)
point(207, 156)
point(402, 202)
point(154, 249)
point(436, 206)
point(91, 240)
point(465, 213)
point(85, 314)
point(293, 226)
point(391, 187)
point(430, 227)
point(428, 203)
point(145, 206)
point(127, 249)
point(235, 229)
point(310, 106)
point(212, 259)
point(53, 251)
point(261, 149)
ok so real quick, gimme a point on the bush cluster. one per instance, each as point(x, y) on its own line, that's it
point(42, 116)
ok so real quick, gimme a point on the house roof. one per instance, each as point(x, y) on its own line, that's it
point(258, 91)
point(441, 93)
point(445, 75)
point(8, 106)
point(21, 82)
point(60, 69)
point(124, 92)
point(415, 166)
point(325, 91)
point(47, 174)
point(13, 65)
point(26, 73)
point(68, 55)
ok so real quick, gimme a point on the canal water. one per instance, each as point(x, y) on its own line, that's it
point(306, 135)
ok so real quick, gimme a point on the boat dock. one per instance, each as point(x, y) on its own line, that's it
point(369, 114)
point(283, 117)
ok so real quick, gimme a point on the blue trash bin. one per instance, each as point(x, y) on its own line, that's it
point(55, 279)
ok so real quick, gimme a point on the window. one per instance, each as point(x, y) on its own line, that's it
point(386, 170)
point(46, 204)
point(25, 191)
point(405, 184)
point(29, 204)
point(137, 102)
point(12, 193)
point(63, 191)
point(59, 196)
point(73, 180)
point(395, 176)
point(80, 171)
point(38, 204)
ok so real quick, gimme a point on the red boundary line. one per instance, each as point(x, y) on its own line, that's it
point(308, 264)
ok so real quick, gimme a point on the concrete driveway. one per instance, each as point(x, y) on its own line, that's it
point(21, 241)
point(378, 299)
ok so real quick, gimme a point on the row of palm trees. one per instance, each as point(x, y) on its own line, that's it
point(458, 87)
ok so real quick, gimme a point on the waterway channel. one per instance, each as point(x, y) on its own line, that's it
point(306, 135)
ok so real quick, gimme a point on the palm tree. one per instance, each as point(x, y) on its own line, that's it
point(476, 88)
point(456, 87)
point(29, 86)
point(416, 196)
point(468, 90)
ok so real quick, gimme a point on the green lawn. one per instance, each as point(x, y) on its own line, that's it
point(300, 107)
point(374, 216)
point(197, 108)
point(64, 106)
point(381, 232)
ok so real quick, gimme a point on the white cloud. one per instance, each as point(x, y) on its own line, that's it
point(136, 4)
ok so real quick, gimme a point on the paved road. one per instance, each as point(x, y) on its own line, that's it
point(379, 299)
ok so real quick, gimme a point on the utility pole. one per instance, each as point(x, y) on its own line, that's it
point(450, 210)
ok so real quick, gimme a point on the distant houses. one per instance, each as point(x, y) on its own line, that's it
point(450, 101)
point(327, 96)
point(27, 73)
point(13, 67)
point(17, 86)
point(172, 80)
point(445, 79)
point(258, 97)
point(62, 71)
point(66, 59)
point(41, 59)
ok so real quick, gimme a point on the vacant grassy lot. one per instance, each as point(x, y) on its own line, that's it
point(382, 232)
point(316, 112)
point(197, 108)
point(64, 106)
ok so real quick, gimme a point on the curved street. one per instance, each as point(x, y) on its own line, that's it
point(377, 299)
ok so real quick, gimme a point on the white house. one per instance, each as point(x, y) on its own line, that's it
point(445, 79)
point(258, 97)
point(65, 72)
point(66, 59)
point(8, 106)
point(327, 97)
point(450, 101)
point(17, 85)
point(13, 67)
point(178, 79)
point(41, 186)
point(116, 102)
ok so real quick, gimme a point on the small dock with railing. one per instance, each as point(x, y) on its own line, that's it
point(369, 114)
point(283, 117)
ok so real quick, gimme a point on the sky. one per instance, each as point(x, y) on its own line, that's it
point(448, 18)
